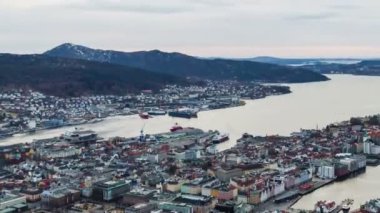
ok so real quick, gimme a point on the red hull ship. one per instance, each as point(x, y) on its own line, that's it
point(175, 128)
point(144, 115)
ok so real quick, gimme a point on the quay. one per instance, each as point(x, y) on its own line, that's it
point(316, 185)
point(175, 170)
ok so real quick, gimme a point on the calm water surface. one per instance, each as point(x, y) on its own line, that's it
point(310, 105)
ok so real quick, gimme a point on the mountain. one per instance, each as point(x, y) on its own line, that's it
point(366, 67)
point(189, 66)
point(75, 77)
point(303, 61)
point(274, 60)
point(329, 65)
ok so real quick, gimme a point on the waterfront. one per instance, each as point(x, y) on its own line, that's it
point(310, 105)
point(283, 121)
point(360, 188)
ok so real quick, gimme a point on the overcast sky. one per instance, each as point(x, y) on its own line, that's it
point(228, 28)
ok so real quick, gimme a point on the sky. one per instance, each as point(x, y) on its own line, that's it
point(220, 28)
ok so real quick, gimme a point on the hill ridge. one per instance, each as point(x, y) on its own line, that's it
point(189, 66)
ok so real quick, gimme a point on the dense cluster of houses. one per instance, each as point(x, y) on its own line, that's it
point(173, 171)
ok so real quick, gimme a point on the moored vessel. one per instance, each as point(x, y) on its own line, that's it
point(80, 136)
point(325, 206)
point(186, 113)
point(144, 115)
point(156, 112)
point(220, 138)
point(176, 127)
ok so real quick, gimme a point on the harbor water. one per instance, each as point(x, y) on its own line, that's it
point(310, 105)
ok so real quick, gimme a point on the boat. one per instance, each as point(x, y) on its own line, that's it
point(306, 186)
point(80, 136)
point(325, 206)
point(346, 205)
point(156, 112)
point(188, 113)
point(176, 127)
point(346, 208)
point(220, 138)
point(144, 115)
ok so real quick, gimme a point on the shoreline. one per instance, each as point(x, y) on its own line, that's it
point(296, 91)
point(242, 103)
point(262, 121)
point(317, 184)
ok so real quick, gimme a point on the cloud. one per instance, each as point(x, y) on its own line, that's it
point(199, 27)
point(344, 6)
point(135, 6)
point(165, 6)
point(148, 6)
point(127, 6)
point(313, 16)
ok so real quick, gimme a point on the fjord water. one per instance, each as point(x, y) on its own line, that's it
point(311, 105)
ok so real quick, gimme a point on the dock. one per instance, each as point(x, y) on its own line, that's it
point(317, 185)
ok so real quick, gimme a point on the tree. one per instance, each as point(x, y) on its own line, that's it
point(172, 169)
point(206, 165)
point(374, 120)
point(356, 121)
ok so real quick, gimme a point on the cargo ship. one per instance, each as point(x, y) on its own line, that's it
point(80, 136)
point(220, 138)
point(184, 113)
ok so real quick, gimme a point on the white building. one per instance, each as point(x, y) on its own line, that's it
point(370, 148)
point(60, 152)
point(326, 172)
point(286, 168)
